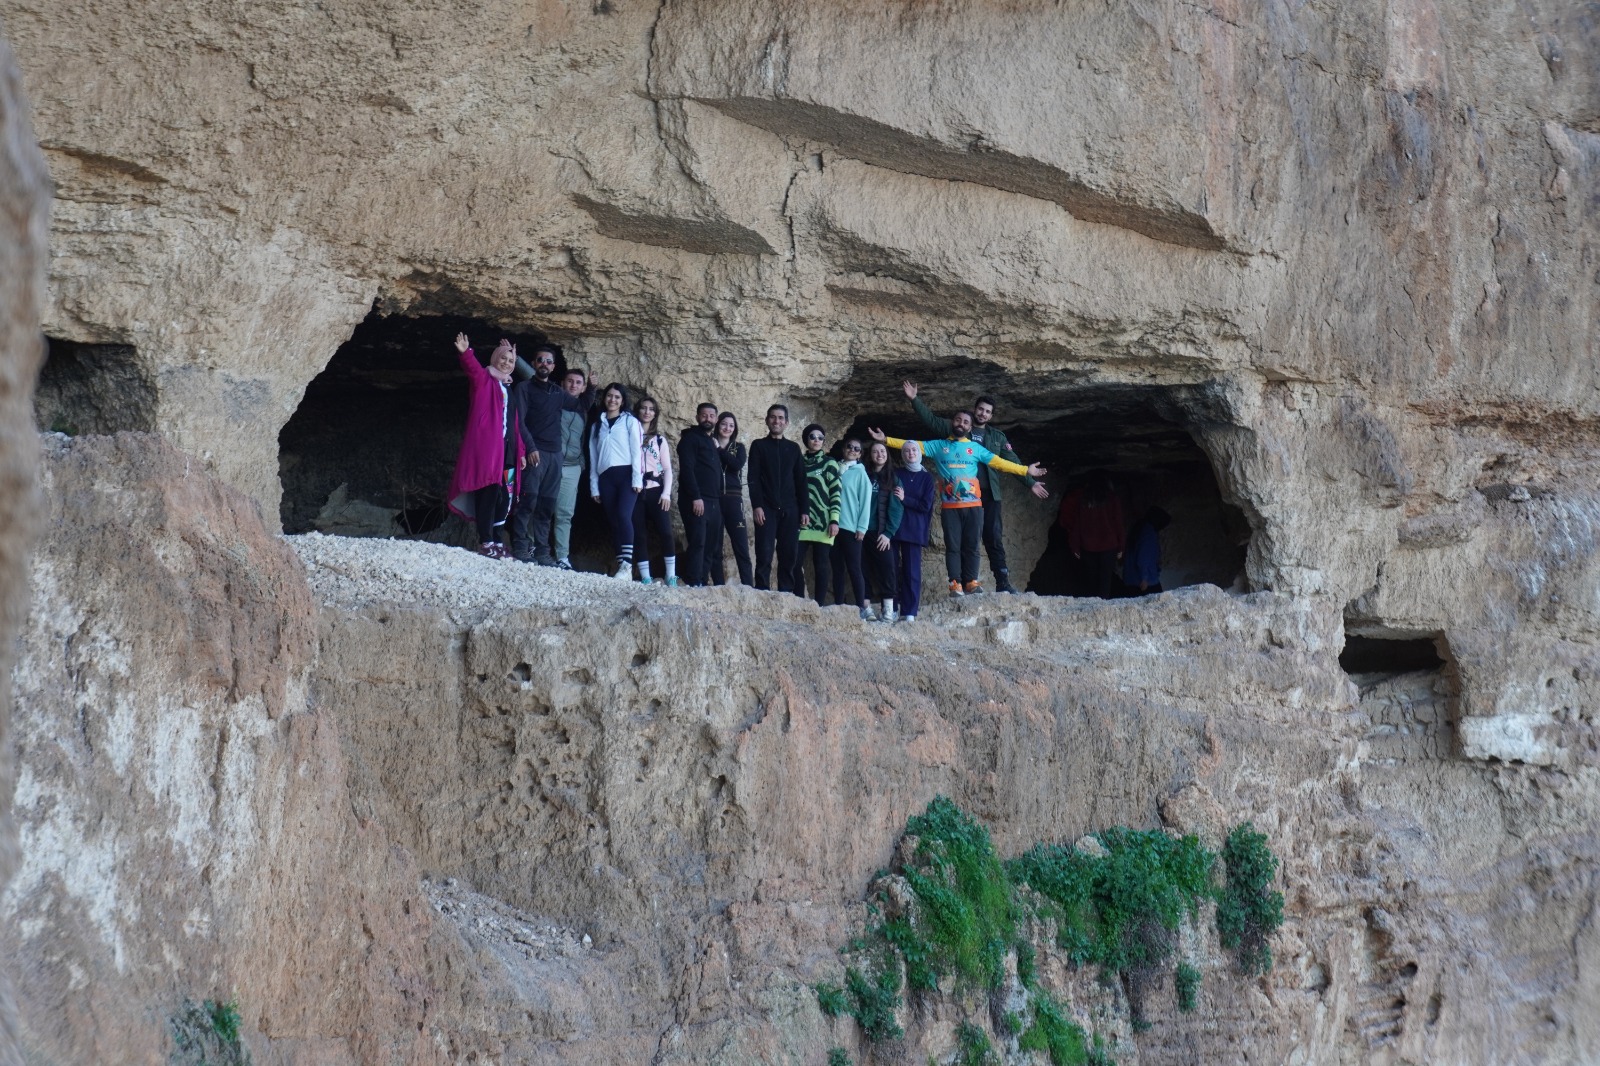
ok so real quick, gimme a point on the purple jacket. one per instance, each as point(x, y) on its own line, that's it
point(917, 507)
point(481, 461)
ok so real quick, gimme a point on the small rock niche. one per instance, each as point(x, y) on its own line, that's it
point(1409, 691)
point(94, 389)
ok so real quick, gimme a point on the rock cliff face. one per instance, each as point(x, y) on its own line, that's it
point(1333, 263)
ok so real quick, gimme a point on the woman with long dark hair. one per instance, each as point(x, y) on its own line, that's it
point(726, 437)
point(653, 510)
point(616, 476)
point(882, 518)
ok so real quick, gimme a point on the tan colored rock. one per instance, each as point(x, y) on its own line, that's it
point(24, 200)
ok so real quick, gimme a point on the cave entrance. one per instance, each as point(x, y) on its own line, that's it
point(370, 449)
point(1409, 689)
point(1144, 436)
point(93, 389)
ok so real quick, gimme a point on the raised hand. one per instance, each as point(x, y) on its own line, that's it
point(462, 344)
point(877, 434)
point(1035, 470)
point(910, 387)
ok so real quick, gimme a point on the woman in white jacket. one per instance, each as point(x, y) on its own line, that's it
point(615, 473)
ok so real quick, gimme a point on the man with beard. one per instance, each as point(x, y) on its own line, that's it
point(700, 494)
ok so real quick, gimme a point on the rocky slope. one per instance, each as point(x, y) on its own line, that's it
point(412, 805)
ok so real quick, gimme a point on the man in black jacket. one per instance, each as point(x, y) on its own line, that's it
point(538, 402)
point(700, 494)
point(777, 499)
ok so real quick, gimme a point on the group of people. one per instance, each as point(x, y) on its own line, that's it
point(856, 515)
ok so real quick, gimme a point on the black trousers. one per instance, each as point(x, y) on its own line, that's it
point(781, 530)
point(847, 552)
point(648, 516)
point(489, 506)
point(1100, 573)
point(536, 507)
point(821, 572)
point(880, 568)
point(963, 531)
point(994, 540)
point(703, 532)
point(738, 535)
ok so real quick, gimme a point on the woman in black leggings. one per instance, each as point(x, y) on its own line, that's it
point(653, 511)
point(615, 474)
point(733, 454)
point(879, 553)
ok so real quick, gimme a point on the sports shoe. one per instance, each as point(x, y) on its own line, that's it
point(1003, 584)
point(544, 560)
point(624, 571)
point(672, 581)
point(908, 618)
point(974, 588)
point(563, 564)
point(867, 615)
point(646, 581)
point(955, 589)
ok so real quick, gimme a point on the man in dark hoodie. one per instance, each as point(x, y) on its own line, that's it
point(700, 494)
point(777, 500)
point(538, 402)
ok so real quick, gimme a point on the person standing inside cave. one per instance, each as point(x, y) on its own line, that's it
point(726, 438)
point(493, 448)
point(700, 502)
point(573, 418)
point(777, 499)
point(855, 515)
point(911, 514)
point(1092, 517)
point(539, 402)
point(652, 509)
point(957, 461)
point(883, 518)
point(819, 521)
point(616, 473)
point(992, 437)
point(1141, 562)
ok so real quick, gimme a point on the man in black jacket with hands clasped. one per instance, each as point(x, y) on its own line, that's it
point(777, 499)
point(700, 494)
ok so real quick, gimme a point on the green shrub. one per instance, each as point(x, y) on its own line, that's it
point(965, 899)
point(1026, 962)
point(831, 999)
point(1248, 910)
point(838, 1056)
point(1053, 1033)
point(873, 1002)
point(973, 1045)
point(207, 1034)
point(1186, 986)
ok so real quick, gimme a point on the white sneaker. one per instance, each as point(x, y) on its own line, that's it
point(908, 618)
point(867, 615)
point(888, 613)
point(625, 572)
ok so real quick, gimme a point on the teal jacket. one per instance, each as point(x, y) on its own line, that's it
point(991, 437)
point(855, 498)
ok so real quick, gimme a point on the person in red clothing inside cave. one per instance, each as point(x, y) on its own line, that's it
point(1096, 530)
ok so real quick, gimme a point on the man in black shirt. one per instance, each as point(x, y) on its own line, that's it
point(539, 402)
point(700, 494)
point(777, 499)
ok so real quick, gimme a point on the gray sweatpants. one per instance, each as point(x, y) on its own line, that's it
point(566, 504)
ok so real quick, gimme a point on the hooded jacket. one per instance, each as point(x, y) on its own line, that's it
point(699, 466)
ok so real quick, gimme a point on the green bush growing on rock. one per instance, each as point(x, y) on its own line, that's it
point(831, 999)
point(973, 1046)
point(838, 1056)
point(1186, 986)
point(207, 1034)
point(1248, 910)
point(1056, 1035)
point(965, 897)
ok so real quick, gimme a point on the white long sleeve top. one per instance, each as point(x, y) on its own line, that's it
point(618, 443)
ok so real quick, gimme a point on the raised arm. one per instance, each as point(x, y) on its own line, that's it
point(469, 362)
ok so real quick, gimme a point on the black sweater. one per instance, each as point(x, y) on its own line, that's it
point(699, 466)
point(777, 476)
point(732, 463)
point(539, 405)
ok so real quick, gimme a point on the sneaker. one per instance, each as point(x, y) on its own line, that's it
point(646, 581)
point(523, 557)
point(974, 588)
point(1004, 585)
point(544, 560)
point(563, 564)
point(491, 551)
point(867, 615)
point(908, 618)
point(624, 571)
point(672, 582)
point(955, 588)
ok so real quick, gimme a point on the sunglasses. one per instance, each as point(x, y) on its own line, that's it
point(815, 436)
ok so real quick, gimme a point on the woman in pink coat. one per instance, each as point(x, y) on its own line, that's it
point(493, 450)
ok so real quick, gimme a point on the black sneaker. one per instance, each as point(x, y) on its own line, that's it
point(1004, 585)
point(544, 560)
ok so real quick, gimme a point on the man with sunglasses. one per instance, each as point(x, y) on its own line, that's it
point(539, 401)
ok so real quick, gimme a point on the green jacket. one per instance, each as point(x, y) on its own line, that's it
point(991, 437)
point(822, 496)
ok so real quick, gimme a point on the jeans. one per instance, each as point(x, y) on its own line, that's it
point(781, 530)
point(963, 534)
point(566, 505)
point(536, 504)
point(704, 534)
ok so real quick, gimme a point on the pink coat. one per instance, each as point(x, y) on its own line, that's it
point(481, 461)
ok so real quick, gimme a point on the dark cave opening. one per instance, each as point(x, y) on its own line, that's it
point(370, 449)
point(1390, 656)
point(93, 389)
point(1142, 435)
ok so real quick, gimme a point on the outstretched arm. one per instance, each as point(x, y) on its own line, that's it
point(938, 427)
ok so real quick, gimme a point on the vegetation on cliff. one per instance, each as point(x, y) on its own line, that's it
point(956, 920)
